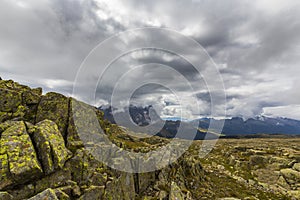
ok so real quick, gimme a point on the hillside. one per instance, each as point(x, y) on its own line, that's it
point(43, 157)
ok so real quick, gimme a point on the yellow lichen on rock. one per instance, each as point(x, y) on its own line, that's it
point(50, 145)
point(18, 158)
point(55, 107)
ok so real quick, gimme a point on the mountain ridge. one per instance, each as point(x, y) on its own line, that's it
point(232, 126)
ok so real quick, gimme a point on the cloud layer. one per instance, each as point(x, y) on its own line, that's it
point(255, 45)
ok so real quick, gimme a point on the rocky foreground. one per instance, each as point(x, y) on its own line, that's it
point(42, 157)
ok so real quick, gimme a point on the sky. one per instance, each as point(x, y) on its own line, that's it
point(254, 45)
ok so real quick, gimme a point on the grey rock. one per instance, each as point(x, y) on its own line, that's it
point(48, 194)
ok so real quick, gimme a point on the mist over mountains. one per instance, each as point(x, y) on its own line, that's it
point(143, 119)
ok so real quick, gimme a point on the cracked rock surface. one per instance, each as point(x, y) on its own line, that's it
point(43, 157)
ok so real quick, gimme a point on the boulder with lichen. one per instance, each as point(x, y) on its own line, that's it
point(55, 107)
point(50, 146)
point(19, 162)
point(18, 101)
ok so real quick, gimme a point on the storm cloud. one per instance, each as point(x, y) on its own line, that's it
point(254, 44)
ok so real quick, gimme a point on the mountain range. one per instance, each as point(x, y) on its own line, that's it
point(143, 117)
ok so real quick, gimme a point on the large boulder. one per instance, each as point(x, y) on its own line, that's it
point(18, 159)
point(55, 107)
point(18, 101)
point(86, 119)
point(50, 146)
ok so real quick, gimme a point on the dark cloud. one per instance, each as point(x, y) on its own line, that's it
point(255, 44)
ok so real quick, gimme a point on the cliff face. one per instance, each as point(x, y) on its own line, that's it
point(42, 157)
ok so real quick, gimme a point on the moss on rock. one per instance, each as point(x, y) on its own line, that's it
point(50, 145)
point(55, 107)
point(12, 85)
point(18, 157)
point(17, 101)
point(9, 100)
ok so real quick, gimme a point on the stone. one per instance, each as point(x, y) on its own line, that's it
point(282, 182)
point(175, 193)
point(76, 191)
point(61, 195)
point(48, 194)
point(4, 171)
point(9, 100)
point(257, 160)
point(145, 180)
point(93, 192)
point(18, 102)
point(296, 167)
point(54, 107)
point(50, 145)
point(291, 176)
point(122, 187)
point(23, 191)
point(57, 179)
point(73, 140)
point(295, 194)
point(11, 85)
point(98, 179)
point(162, 194)
point(279, 162)
point(29, 97)
point(80, 166)
point(19, 161)
point(112, 191)
point(5, 116)
point(6, 196)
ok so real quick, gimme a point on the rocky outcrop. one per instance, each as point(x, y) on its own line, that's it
point(43, 157)
point(19, 161)
point(50, 145)
point(18, 101)
point(27, 151)
point(55, 107)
